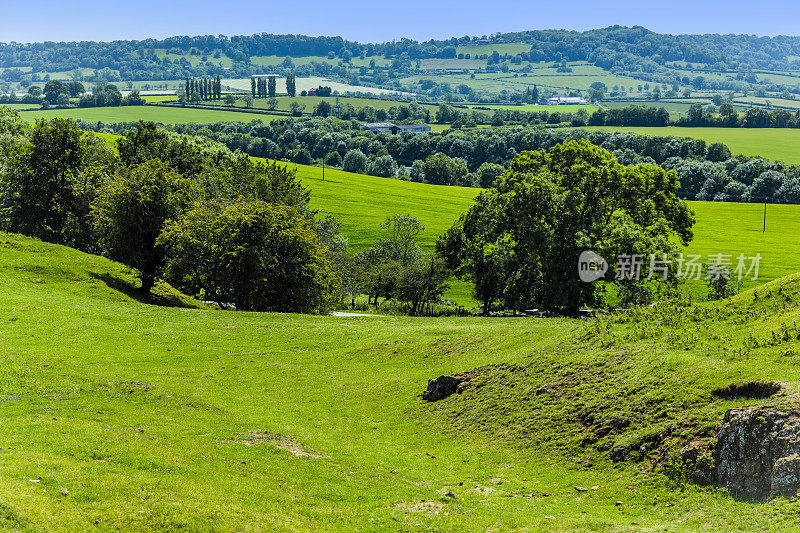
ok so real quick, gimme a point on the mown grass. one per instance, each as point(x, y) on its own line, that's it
point(771, 143)
point(124, 415)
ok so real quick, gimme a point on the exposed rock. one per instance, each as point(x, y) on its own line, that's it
point(757, 452)
point(441, 388)
point(697, 456)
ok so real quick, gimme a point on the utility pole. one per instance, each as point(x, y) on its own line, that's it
point(323, 169)
point(765, 216)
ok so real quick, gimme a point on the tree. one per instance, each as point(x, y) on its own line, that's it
point(401, 234)
point(322, 109)
point(383, 166)
point(354, 161)
point(291, 87)
point(253, 86)
point(486, 264)
point(131, 212)
point(230, 100)
point(53, 89)
point(421, 283)
point(440, 169)
point(255, 255)
point(487, 173)
point(550, 206)
point(272, 86)
point(50, 182)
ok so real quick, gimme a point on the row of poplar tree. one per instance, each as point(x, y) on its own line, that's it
point(204, 89)
point(267, 87)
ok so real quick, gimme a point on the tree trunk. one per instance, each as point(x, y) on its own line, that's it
point(148, 280)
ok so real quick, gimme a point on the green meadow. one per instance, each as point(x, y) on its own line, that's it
point(123, 415)
point(163, 115)
point(781, 144)
point(361, 202)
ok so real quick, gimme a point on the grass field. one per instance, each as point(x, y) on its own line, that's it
point(164, 115)
point(540, 108)
point(120, 415)
point(362, 202)
point(780, 144)
point(285, 102)
point(304, 84)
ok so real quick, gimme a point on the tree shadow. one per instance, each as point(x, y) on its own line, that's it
point(162, 294)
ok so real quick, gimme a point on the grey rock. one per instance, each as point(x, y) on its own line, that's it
point(758, 452)
point(441, 388)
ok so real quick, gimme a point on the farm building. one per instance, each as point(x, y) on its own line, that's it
point(566, 100)
point(388, 127)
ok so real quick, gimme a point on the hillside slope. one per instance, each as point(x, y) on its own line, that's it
point(130, 416)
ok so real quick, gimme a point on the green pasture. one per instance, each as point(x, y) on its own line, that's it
point(124, 415)
point(501, 48)
point(285, 102)
point(781, 144)
point(163, 115)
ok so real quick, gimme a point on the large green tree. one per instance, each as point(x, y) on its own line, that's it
point(521, 240)
point(255, 255)
point(131, 212)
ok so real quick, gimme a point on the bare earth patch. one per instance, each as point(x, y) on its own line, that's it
point(284, 442)
point(426, 507)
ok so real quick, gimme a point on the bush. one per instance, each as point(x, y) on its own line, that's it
point(355, 161)
point(255, 255)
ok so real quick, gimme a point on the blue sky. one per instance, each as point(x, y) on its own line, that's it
point(380, 20)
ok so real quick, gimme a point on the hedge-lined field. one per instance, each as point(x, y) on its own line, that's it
point(781, 144)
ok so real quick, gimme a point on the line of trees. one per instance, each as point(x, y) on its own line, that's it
point(197, 90)
point(263, 87)
point(706, 171)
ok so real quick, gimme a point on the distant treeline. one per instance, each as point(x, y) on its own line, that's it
point(460, 157)
point(634, 50)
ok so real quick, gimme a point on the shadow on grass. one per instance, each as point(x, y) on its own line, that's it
point(161, 294)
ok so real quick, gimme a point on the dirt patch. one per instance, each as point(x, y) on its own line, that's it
point(284, 442)
point(748, 390)
point(425, 507)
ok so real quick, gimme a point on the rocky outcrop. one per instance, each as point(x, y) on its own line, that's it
point(758, 452)
point(441, 388)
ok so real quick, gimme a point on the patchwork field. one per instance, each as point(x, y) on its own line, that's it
point(285, 102)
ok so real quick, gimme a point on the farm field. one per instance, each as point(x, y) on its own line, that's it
point(500, 48)
point(267, 61)
point(780, 144)
point(539, 108)
point(21, 106)
point(764, 101)
point(304, 84)
point(284, 103)
point(544, 78)
point(163, 115)
point(124, 415)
